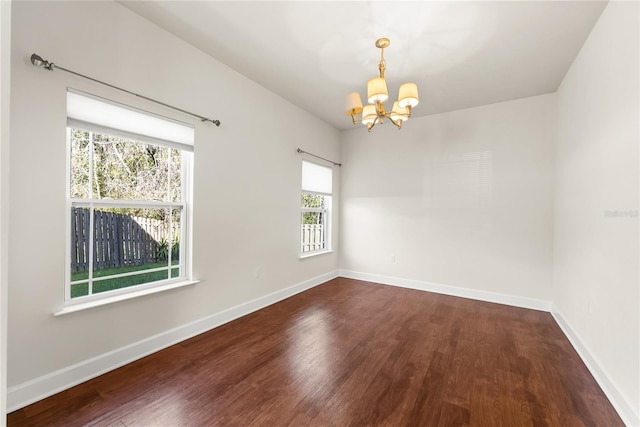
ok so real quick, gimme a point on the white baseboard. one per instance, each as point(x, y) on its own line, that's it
point(626, 411)
point(39, 388)
point(31, 391)
point(512, 300)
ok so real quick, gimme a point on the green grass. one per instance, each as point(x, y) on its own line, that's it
point(82, 289)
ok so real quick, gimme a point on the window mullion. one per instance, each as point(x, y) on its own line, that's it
point(91, 249)
point(170, 250)
point(91, 217)
point(130, 273)
point(170, 210)
point(126, 203)
point(169, 173)
point(315, 193)
point(185, 214)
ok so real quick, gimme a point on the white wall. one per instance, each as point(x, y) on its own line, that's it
point(246, 197)
point(5, 72)
point(464, 198)
point(461, 198)
point(596, 258)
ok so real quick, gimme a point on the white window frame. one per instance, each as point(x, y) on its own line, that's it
point(91, 203)
point(326, 217)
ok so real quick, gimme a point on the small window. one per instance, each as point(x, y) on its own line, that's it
point(128, 198)
point(315, 208)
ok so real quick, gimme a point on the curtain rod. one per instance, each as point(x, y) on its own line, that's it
point(39, 62)
point(326, 160)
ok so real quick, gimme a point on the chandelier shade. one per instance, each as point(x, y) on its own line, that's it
point(377, 93)
point(369, 114)
point(353, 103)
point(377, 90)
point(408, 95)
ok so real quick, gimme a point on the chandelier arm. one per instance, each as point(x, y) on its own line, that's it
point(393, 121)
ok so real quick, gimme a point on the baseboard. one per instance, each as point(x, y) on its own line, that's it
point(512, 300)
point(626, 411)
point(31, 391)
point(39, 388)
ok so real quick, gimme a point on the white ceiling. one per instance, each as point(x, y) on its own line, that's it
point(460, 53)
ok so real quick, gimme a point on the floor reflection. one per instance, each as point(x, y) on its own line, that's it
point(310, 354)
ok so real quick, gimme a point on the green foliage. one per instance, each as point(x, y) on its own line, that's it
point(175, 248)
point(124, 169)
point(163, 249)
point(312, 201)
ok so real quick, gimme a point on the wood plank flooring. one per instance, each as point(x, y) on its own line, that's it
point(350, 353)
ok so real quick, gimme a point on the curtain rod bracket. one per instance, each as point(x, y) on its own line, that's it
point(38, 61)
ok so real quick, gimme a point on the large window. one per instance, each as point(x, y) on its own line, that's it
point(315, 208)
point(128, 198)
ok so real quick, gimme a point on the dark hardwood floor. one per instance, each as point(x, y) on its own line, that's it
point(350, 353)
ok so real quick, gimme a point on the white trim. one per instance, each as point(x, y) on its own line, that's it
point(109, 203)
point(39, 388)
point(305, 255)
point(97, 302)
point(5, 122)
point(624, 409)
point(513, 300)
point(67, 195)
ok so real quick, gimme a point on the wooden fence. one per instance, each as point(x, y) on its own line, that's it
point(119, 240)
point(312, 237)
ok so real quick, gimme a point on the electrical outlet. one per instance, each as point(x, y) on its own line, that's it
point(393, 259)
point(258, 272)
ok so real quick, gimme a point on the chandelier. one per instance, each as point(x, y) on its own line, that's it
point(377, 94)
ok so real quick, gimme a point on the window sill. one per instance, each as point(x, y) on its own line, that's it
point(312, 254)
point(72, 308)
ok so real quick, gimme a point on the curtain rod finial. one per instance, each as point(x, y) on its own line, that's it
point(39, 62)
point(36, 60)
point(215, 122)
